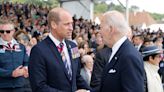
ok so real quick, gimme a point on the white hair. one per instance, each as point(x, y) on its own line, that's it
point(85, 58)
point(117, 19)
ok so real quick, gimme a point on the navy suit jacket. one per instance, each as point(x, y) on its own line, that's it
point(125, 72)
point(47, 72)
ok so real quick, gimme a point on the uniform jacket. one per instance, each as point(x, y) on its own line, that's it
point(9, 61)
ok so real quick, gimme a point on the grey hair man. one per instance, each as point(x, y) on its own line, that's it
point(124, 71)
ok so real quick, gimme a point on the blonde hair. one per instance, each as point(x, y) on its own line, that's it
point(6, 21)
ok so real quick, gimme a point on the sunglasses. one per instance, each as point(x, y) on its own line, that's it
point(3, 31)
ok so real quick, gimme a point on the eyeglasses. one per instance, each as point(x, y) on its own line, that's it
point(3, 31)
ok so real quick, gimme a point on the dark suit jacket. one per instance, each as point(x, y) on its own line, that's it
point(47, 71)
point(125, 72)
point(102, 57)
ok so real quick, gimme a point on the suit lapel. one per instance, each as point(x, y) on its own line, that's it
point(57, 55)
point(70, 56)
point(54, 50)
point(108, 54)
point(113, 62)
point(115, 58)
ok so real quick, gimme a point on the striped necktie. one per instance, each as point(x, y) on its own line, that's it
point(9, 45)
point(67, 66)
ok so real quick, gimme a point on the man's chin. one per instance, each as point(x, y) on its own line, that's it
point(69, 37)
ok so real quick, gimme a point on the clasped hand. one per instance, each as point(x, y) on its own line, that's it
point(20, 71)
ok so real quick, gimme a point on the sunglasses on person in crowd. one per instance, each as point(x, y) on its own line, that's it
point(3, 31)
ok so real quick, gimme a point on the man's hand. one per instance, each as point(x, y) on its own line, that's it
point(26, 75)
point(19, 71)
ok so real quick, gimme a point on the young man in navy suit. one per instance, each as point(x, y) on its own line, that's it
point(124, 71)
point(54, 64)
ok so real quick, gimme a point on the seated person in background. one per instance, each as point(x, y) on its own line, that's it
point(86, 71)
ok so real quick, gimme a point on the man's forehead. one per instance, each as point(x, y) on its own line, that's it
point(6, 26)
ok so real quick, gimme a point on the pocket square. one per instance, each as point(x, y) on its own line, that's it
point(112, 71)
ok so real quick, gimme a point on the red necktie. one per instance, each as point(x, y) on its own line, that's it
point(60, 47)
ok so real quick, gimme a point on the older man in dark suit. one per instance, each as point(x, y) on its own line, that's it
point(54, 63)
point(124, 71)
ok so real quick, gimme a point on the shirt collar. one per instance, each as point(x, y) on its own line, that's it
point(3, 42)
point(56, 41)
point(117, 45)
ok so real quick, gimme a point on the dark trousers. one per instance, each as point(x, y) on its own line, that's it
point(12, 89)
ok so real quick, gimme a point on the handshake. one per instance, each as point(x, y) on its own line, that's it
point(20, 71)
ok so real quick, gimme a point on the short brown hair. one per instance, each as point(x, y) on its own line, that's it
point(54, 15)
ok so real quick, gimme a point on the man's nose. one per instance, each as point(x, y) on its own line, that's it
point(71, 27)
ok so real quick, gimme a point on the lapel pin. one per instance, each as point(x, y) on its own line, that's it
point(115, 58)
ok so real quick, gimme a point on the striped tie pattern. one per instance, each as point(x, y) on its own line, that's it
point(9, 47)
point(67, 66)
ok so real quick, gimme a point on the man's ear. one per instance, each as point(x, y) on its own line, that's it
point(112, 28)
point(53, 25)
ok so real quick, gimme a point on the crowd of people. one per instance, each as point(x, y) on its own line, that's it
point(95, 62)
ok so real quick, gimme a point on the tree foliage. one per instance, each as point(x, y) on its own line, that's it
point(119, 8)
point(157, 16)
point(50, 3)
point(100, 8)
point(134, 8)
point(103, 7)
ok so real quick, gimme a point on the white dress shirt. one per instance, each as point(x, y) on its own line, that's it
point(57, 42)
point(3, 42)
point(116, 46)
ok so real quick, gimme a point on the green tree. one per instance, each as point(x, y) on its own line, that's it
point(119, 8)
point(103, 7)
point(157, 17)
point(100, 8)
point(51, 3)
point(133, 8)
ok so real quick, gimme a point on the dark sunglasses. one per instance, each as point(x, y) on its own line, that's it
point(3, 31)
